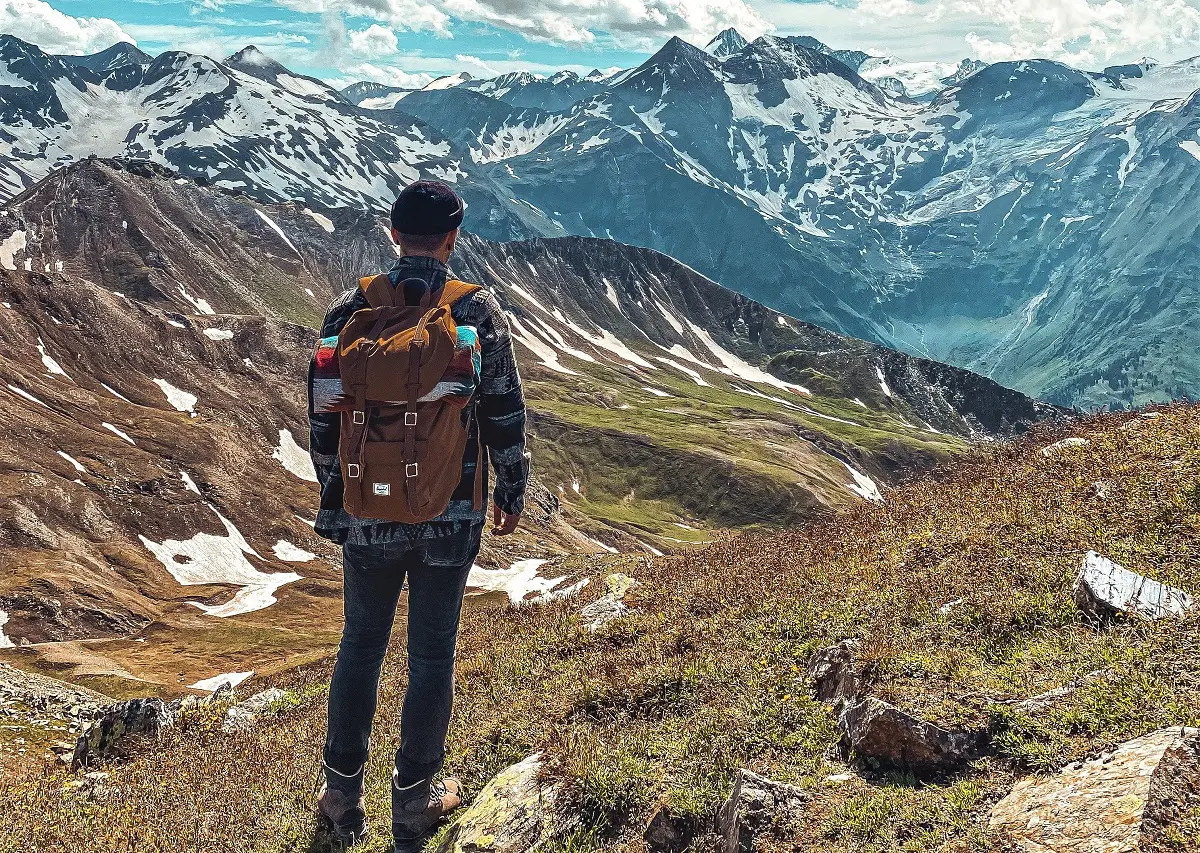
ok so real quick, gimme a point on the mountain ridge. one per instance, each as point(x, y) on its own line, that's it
point(856, 208)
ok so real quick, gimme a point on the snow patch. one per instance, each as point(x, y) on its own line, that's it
point(117, 432)
point(289, 553)
point(22, 393)
point(218, 334)
point(208, 558)
point(735, 366)
point(9, 247)
point(5, 642)
point(179, 400)
point(864, 486)
point(116, 393)
point(522, 583)
point(294, 458)
point(275, 227)
point(233, 679)
point(52, 366)
point(322, 220)
point(1191, 147)
point(188, 482)
point(74, 462)
point(887, 392)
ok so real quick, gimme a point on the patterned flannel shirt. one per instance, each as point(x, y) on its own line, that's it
point(499, 422)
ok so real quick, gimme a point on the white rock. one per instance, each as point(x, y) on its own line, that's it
point(1104, 588)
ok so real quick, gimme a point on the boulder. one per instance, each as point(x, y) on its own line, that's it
point(241, 716)
point(835, 674)
point(515, 812)
point(1136, 798)
point(668, 832)
point(884, 736)
point(1105, 589)
point(610, 606)
point(756, 805)
point(111, 725)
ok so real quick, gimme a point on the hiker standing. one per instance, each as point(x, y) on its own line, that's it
point(413, 388)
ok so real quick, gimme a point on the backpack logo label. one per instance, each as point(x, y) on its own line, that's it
point(383, 489)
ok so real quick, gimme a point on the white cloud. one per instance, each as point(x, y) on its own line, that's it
point(55, 32)
point(476, 65)
point(1084, 33)
point(570, 22)
point(373, 42)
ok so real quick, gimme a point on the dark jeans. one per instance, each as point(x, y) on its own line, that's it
point(437, 571)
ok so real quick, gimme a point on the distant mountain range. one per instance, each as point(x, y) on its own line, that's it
point(1027, 220)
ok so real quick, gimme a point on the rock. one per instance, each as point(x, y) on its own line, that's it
point(756, 805)
point(610, 606)
point(885, 736)
point(602, 611)
point(91, 785)
point(1099, 489)
point(1104, 589)
point(135, 717)
point(1064, 445)
point(619, 584)
point(1127, 800)
point(670, 833)
point(512, 814)
point(835, 674)
point(241, 716)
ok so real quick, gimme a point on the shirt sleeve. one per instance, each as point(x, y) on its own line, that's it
point(501, 408)
point(324, 429)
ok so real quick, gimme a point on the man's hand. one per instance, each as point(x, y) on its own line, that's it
point(504, 524)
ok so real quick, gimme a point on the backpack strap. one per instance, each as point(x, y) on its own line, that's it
point(455, 290)
point(378, 289)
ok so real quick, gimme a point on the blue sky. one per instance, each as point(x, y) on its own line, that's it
point(410, 41)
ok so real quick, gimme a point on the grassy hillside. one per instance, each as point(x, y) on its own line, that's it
point(708, 673)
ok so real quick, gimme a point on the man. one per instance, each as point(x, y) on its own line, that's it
point(435, 557)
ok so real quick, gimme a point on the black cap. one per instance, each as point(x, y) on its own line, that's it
point(427, 207)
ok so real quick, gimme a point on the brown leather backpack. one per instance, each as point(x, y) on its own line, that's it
point(402, 447)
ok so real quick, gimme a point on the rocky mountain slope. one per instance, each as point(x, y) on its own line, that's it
point(943, 673)
point(157, 494)
point(1026, 220)
point(827, 197)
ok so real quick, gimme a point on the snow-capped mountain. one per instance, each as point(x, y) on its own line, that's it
point(375, 96)
point(726, 43)
point(247, 123)
point(118, 56)
point(828, 197)
point(777, 167)
point(254, 63)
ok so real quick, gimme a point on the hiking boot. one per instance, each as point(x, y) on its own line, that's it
point(345, 814)
point(419, 808)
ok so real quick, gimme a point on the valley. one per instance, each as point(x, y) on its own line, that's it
point(157, 518)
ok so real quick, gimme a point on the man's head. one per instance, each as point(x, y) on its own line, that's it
point(425, 220)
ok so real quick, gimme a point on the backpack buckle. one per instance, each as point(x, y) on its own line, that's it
point(360, 418)
point(410, 418)
point(353, 471)
point(411, 470)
